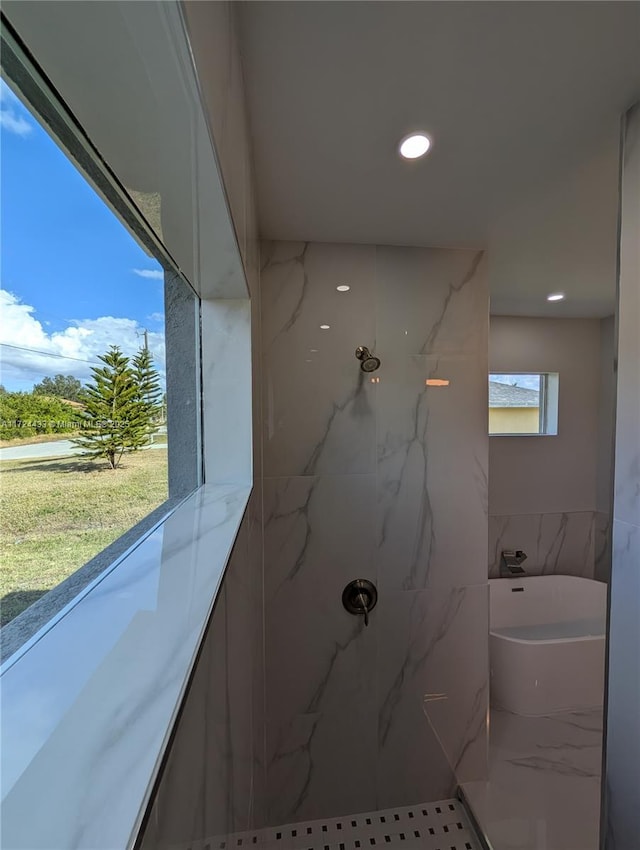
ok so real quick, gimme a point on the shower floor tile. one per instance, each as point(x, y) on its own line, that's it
point(543, 791)
point(430, 826)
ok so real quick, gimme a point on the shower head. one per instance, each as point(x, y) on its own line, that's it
point(368, 363)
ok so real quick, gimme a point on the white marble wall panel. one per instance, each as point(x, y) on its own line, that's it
point(602, 546)
point(432, 692)
point(213, 781)
point(432, 471)
point(318, 407)
point(623, 733)
point(226, 390)
point(562, 544)
point(256, 562)
point(382, 477)
point(623, 698)
point(627, 466)
point(319, 535)
point(431, 300)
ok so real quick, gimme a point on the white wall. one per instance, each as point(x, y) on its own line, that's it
point(548, 474)
point(561, 234)
point(543, 491)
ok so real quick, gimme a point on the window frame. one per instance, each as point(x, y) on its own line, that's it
point(30, 83)
point(549, 390)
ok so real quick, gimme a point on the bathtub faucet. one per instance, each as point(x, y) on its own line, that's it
point(510, 560)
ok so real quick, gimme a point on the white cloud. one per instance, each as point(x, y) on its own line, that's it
point(65, 352)
point(14, 123)
point(13, 115)
point(151, 274)
point(156, 317)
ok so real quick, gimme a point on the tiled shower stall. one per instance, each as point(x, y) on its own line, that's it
point(380, 476)
point(383, 477)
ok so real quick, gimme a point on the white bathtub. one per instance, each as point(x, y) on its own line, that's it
point(547, 643)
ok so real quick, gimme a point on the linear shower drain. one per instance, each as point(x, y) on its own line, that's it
point(429, 826)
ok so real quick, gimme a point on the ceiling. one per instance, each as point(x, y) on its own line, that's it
point(522, 101)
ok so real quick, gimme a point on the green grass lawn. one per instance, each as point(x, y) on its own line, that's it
point(57, 514)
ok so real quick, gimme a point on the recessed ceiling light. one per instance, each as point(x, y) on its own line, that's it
point(324, 327)
point(556, 296)
point(414, 146)
point(343, 287)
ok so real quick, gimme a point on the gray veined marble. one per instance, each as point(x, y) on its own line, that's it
point(320, 660)
point(214, 770)
point(318, 406)
point(623, 712)
point(543, 790)
point(602, 546)
point(433, 680)
point(562, 543)
point(381, 477)
point(431, 301)
point(623, 699)
point(432, 473)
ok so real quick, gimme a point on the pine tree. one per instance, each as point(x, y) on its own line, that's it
point(114, 419)
point(149, 392)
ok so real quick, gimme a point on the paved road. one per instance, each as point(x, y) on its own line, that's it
point(56, 448)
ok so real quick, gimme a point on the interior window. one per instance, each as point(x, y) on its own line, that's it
point(523, 403)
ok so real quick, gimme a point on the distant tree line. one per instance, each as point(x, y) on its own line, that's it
point(25, 414)
point(62, 386)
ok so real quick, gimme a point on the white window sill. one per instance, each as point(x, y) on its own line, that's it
point(524, 434)
point(88, 703)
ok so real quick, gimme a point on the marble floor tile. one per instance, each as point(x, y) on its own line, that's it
point(543, 791)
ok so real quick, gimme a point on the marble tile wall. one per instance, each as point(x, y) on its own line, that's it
point(214, 781)
point(622, 745)
point(602, 546)
point(560, 543)
point(380, 477)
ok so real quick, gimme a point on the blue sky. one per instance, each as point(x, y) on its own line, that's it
point(73, 279)
point(530, 382)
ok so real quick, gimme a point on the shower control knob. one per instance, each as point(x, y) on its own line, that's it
point(360, 597)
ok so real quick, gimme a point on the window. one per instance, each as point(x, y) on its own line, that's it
point(83, 379)
point(523, 403)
